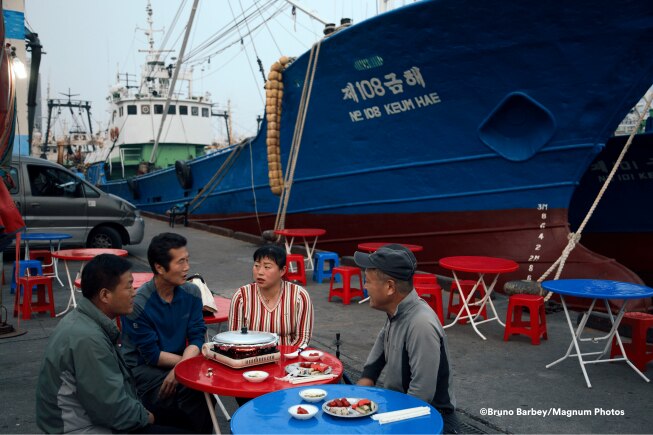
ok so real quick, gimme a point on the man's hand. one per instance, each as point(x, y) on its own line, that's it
point(169, 385)
point(365, 382)
point(150, 418)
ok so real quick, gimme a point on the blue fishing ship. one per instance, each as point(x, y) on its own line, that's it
point(462, 126)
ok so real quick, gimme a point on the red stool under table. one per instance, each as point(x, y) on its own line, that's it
point(432, 294)
point(296, 270)
point(424, 278)
point(346, 292)
point(639, 352)
point(466, 286)
point(27, 306)
point(45, 257)
point(535, 327)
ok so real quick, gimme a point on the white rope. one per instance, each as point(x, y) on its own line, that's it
point(574, 238)
point(297, 136)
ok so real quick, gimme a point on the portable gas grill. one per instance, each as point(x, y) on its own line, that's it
point(240, 349)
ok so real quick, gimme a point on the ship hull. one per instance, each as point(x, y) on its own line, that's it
point(479, 151)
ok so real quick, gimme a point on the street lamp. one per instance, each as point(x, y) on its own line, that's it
point(17, 65)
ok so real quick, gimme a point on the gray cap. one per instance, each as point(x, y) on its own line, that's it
point(394, 260)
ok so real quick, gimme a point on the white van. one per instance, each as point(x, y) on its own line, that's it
point(53, 199)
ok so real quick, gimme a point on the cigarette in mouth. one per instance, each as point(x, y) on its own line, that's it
point(364, 300)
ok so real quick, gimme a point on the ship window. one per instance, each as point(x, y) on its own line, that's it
point(172, 109)
point(145, 109)
point(194, 111)
point(183, 110)
point(131, 109)
point(120, 112)
point(205, 112)
point(158, 109)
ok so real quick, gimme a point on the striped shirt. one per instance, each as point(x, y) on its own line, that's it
point(291, 318)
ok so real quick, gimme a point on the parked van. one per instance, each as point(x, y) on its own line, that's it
point(53, 199)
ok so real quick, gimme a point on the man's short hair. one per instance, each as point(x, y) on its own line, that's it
point(159, 250)
point(403, 286)
point(273, 252)
point(103, 271)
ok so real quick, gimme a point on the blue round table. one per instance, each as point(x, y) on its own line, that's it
point(269, 413)
point(596, 289)
point(50, 238)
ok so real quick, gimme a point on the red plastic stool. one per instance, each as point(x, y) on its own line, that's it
point(639, 352)
point(466, 286)
point(45, 257)
point(424, 278)
point(535, 327)
point(296, 271)
point(27, 306)
point(346, 292)
point(432, 294)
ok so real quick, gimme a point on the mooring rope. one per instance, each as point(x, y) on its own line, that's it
point(574, 238)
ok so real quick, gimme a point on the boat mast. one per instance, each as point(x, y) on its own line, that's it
point(174, 80)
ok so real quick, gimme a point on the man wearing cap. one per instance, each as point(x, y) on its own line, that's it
point(412, 345)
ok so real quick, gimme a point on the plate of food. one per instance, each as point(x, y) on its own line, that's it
point(311, 355)
point(349, 407)
point(313, 394)
point(256, 376)
point(302, 412)
point(303, 369)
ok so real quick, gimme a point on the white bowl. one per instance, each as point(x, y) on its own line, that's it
point(292, 355)
point(256, 375)
point(310, 355)
point(313, 395)
point(312, 410)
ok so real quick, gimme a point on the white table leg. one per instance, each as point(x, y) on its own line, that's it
point(71, 301)
point(465, 308)
point(55, 261)
point(212, 413)
point(488, 300)
point(309, 252)
point(222, 408)
point(574, 342)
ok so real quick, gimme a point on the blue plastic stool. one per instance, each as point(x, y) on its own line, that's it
point(331, 258)
point(34, 267)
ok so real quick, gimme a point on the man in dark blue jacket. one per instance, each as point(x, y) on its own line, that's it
point(167, 327)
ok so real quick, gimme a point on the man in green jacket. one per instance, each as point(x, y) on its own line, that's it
point(84, 384)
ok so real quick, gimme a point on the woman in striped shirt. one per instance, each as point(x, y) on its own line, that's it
point(271, 304)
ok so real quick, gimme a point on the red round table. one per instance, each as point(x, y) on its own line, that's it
point(83, 255)
point(226, 381)
point(304, 233)
point(222, 315)
point(373, 246)
point(140, 278)
point(481, 266)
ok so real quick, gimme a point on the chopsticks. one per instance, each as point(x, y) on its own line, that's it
point(293, 380)
point(403, 414)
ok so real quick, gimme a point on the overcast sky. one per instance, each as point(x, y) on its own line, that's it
point(88, 41)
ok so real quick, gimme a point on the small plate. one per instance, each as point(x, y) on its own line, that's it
point(311, 355)
point(350, 412)
point(313, 395)
point(312, 410)
point(256, 376)
point(295, 369)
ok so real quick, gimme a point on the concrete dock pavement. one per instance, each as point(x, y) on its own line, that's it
point(501, 387)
